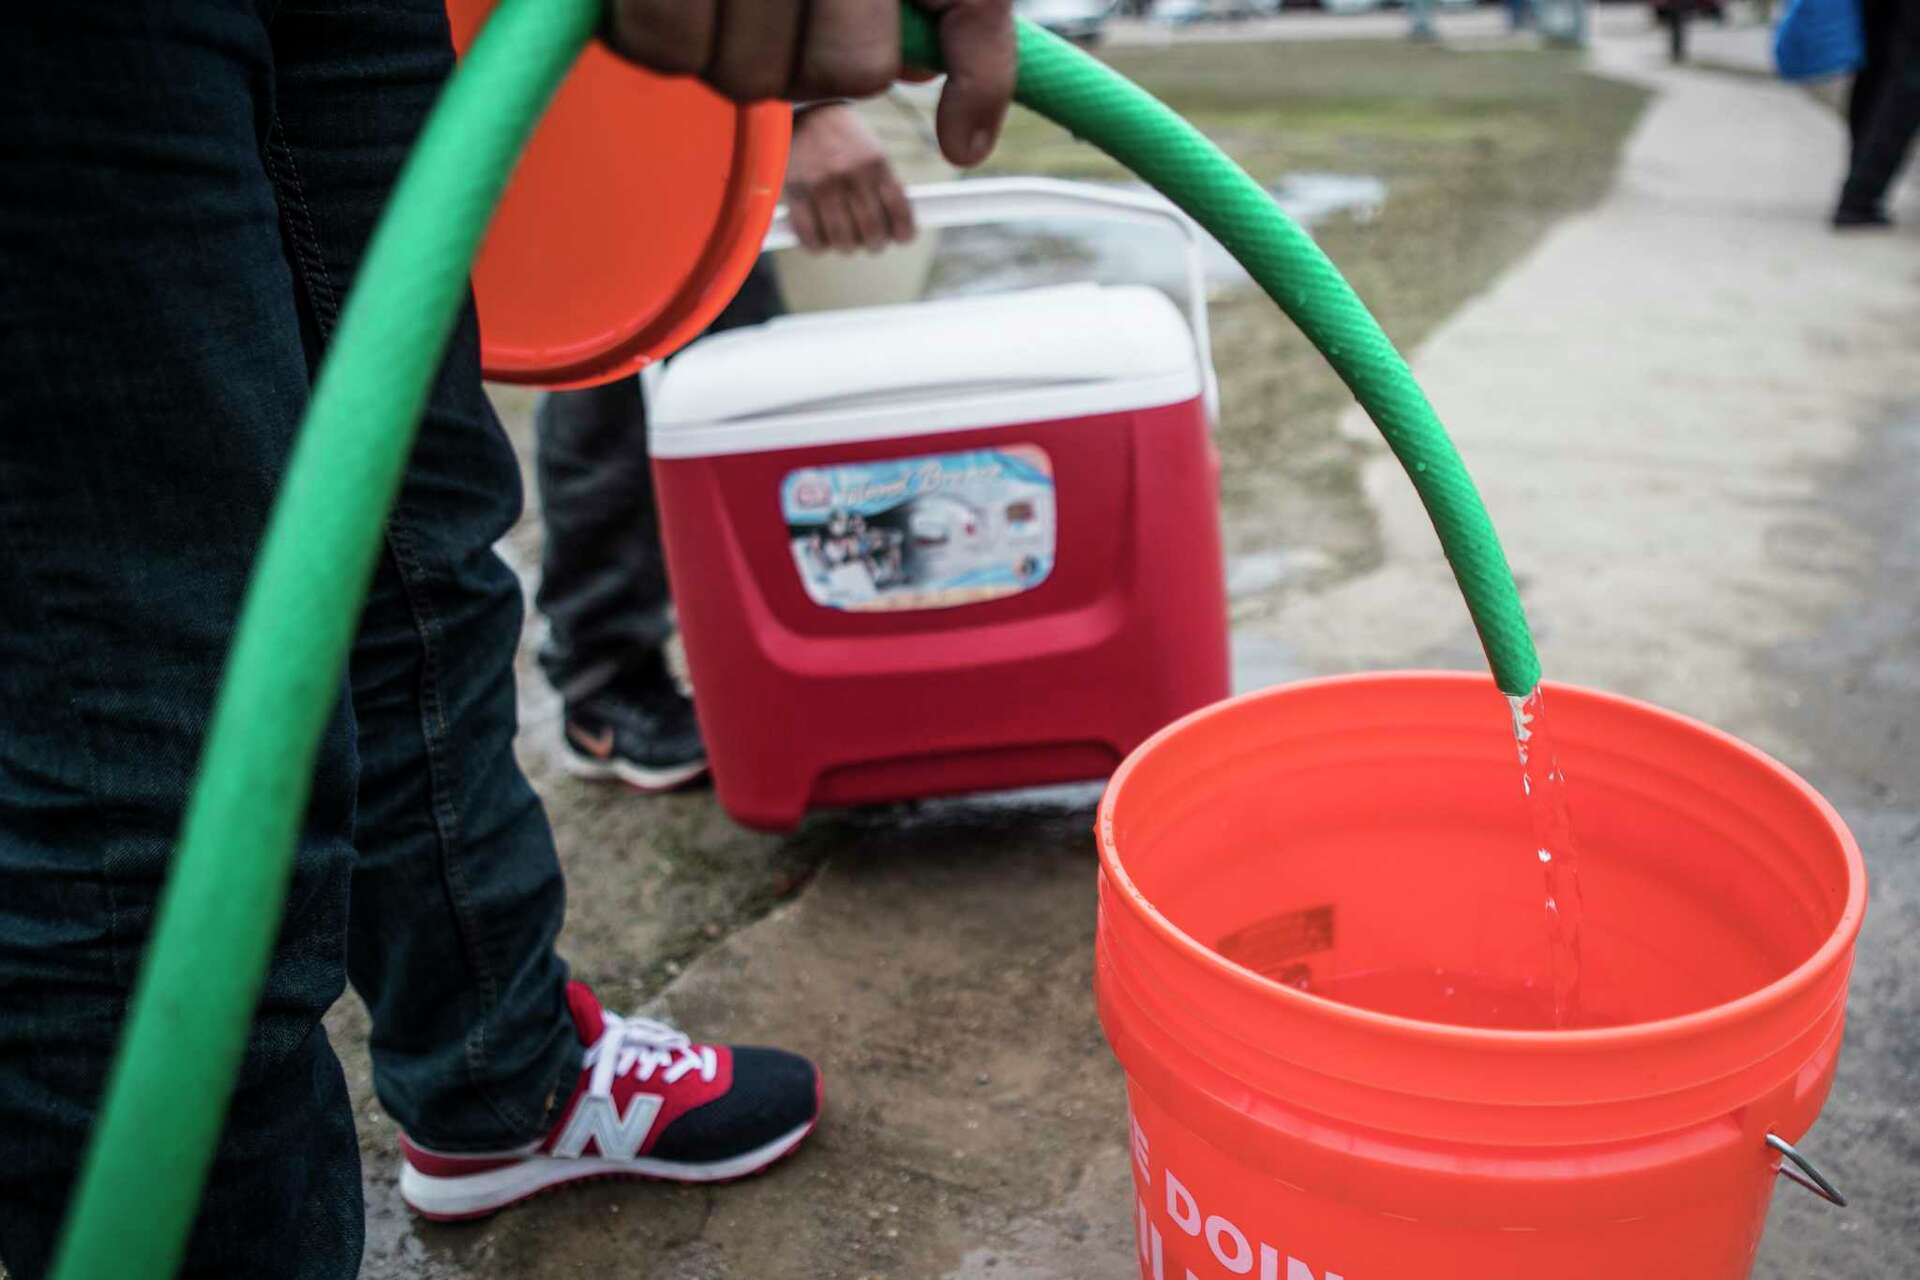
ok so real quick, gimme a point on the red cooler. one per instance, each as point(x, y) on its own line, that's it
point(952, 546)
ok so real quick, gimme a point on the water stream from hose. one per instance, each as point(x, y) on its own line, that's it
point(1545, 789)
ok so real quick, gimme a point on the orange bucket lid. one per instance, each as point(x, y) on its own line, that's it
point(630, 222)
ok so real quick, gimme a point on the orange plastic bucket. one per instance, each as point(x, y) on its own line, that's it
point(1375, 823)
point(632, 219)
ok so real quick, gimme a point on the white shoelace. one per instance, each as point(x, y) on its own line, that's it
point(642, 1046)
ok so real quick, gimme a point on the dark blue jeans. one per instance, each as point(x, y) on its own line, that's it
point(185, 190)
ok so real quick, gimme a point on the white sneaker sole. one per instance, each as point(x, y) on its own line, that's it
point(636, 776)
point(478, 1194)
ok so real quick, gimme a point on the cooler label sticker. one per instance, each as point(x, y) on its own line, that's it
point(930, 532)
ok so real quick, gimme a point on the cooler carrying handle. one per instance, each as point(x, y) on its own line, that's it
point(982, 201)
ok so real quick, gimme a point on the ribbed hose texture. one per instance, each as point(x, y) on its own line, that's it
point(1105, 109)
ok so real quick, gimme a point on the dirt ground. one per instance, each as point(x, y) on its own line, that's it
point(936, 957)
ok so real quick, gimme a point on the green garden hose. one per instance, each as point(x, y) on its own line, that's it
point(192, 1006)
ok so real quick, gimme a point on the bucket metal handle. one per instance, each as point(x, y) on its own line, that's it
point(1813, 1180)
point(980, 201)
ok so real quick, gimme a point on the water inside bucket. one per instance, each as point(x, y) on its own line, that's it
point(1392, 869)
point(1468, 999)
point(1464, 997)
point(1457, 998)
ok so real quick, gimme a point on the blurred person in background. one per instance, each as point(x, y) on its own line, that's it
point(1883, 110)
point(603, 574)
point(1420, 21)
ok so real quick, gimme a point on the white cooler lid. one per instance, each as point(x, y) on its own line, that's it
point(924, 367)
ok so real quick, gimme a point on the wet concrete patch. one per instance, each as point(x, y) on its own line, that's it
point(1030, 253)
point(1262, 659)
point(1257, 573)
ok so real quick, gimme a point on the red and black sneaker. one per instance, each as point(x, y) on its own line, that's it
point(650, 1104)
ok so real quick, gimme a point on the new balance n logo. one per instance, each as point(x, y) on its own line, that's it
point(616, 1137)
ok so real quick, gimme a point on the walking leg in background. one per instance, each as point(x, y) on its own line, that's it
point(1876, 32)
point(1883, 112)
point(1420, 21)
point(603, 575)
point(603, 579)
